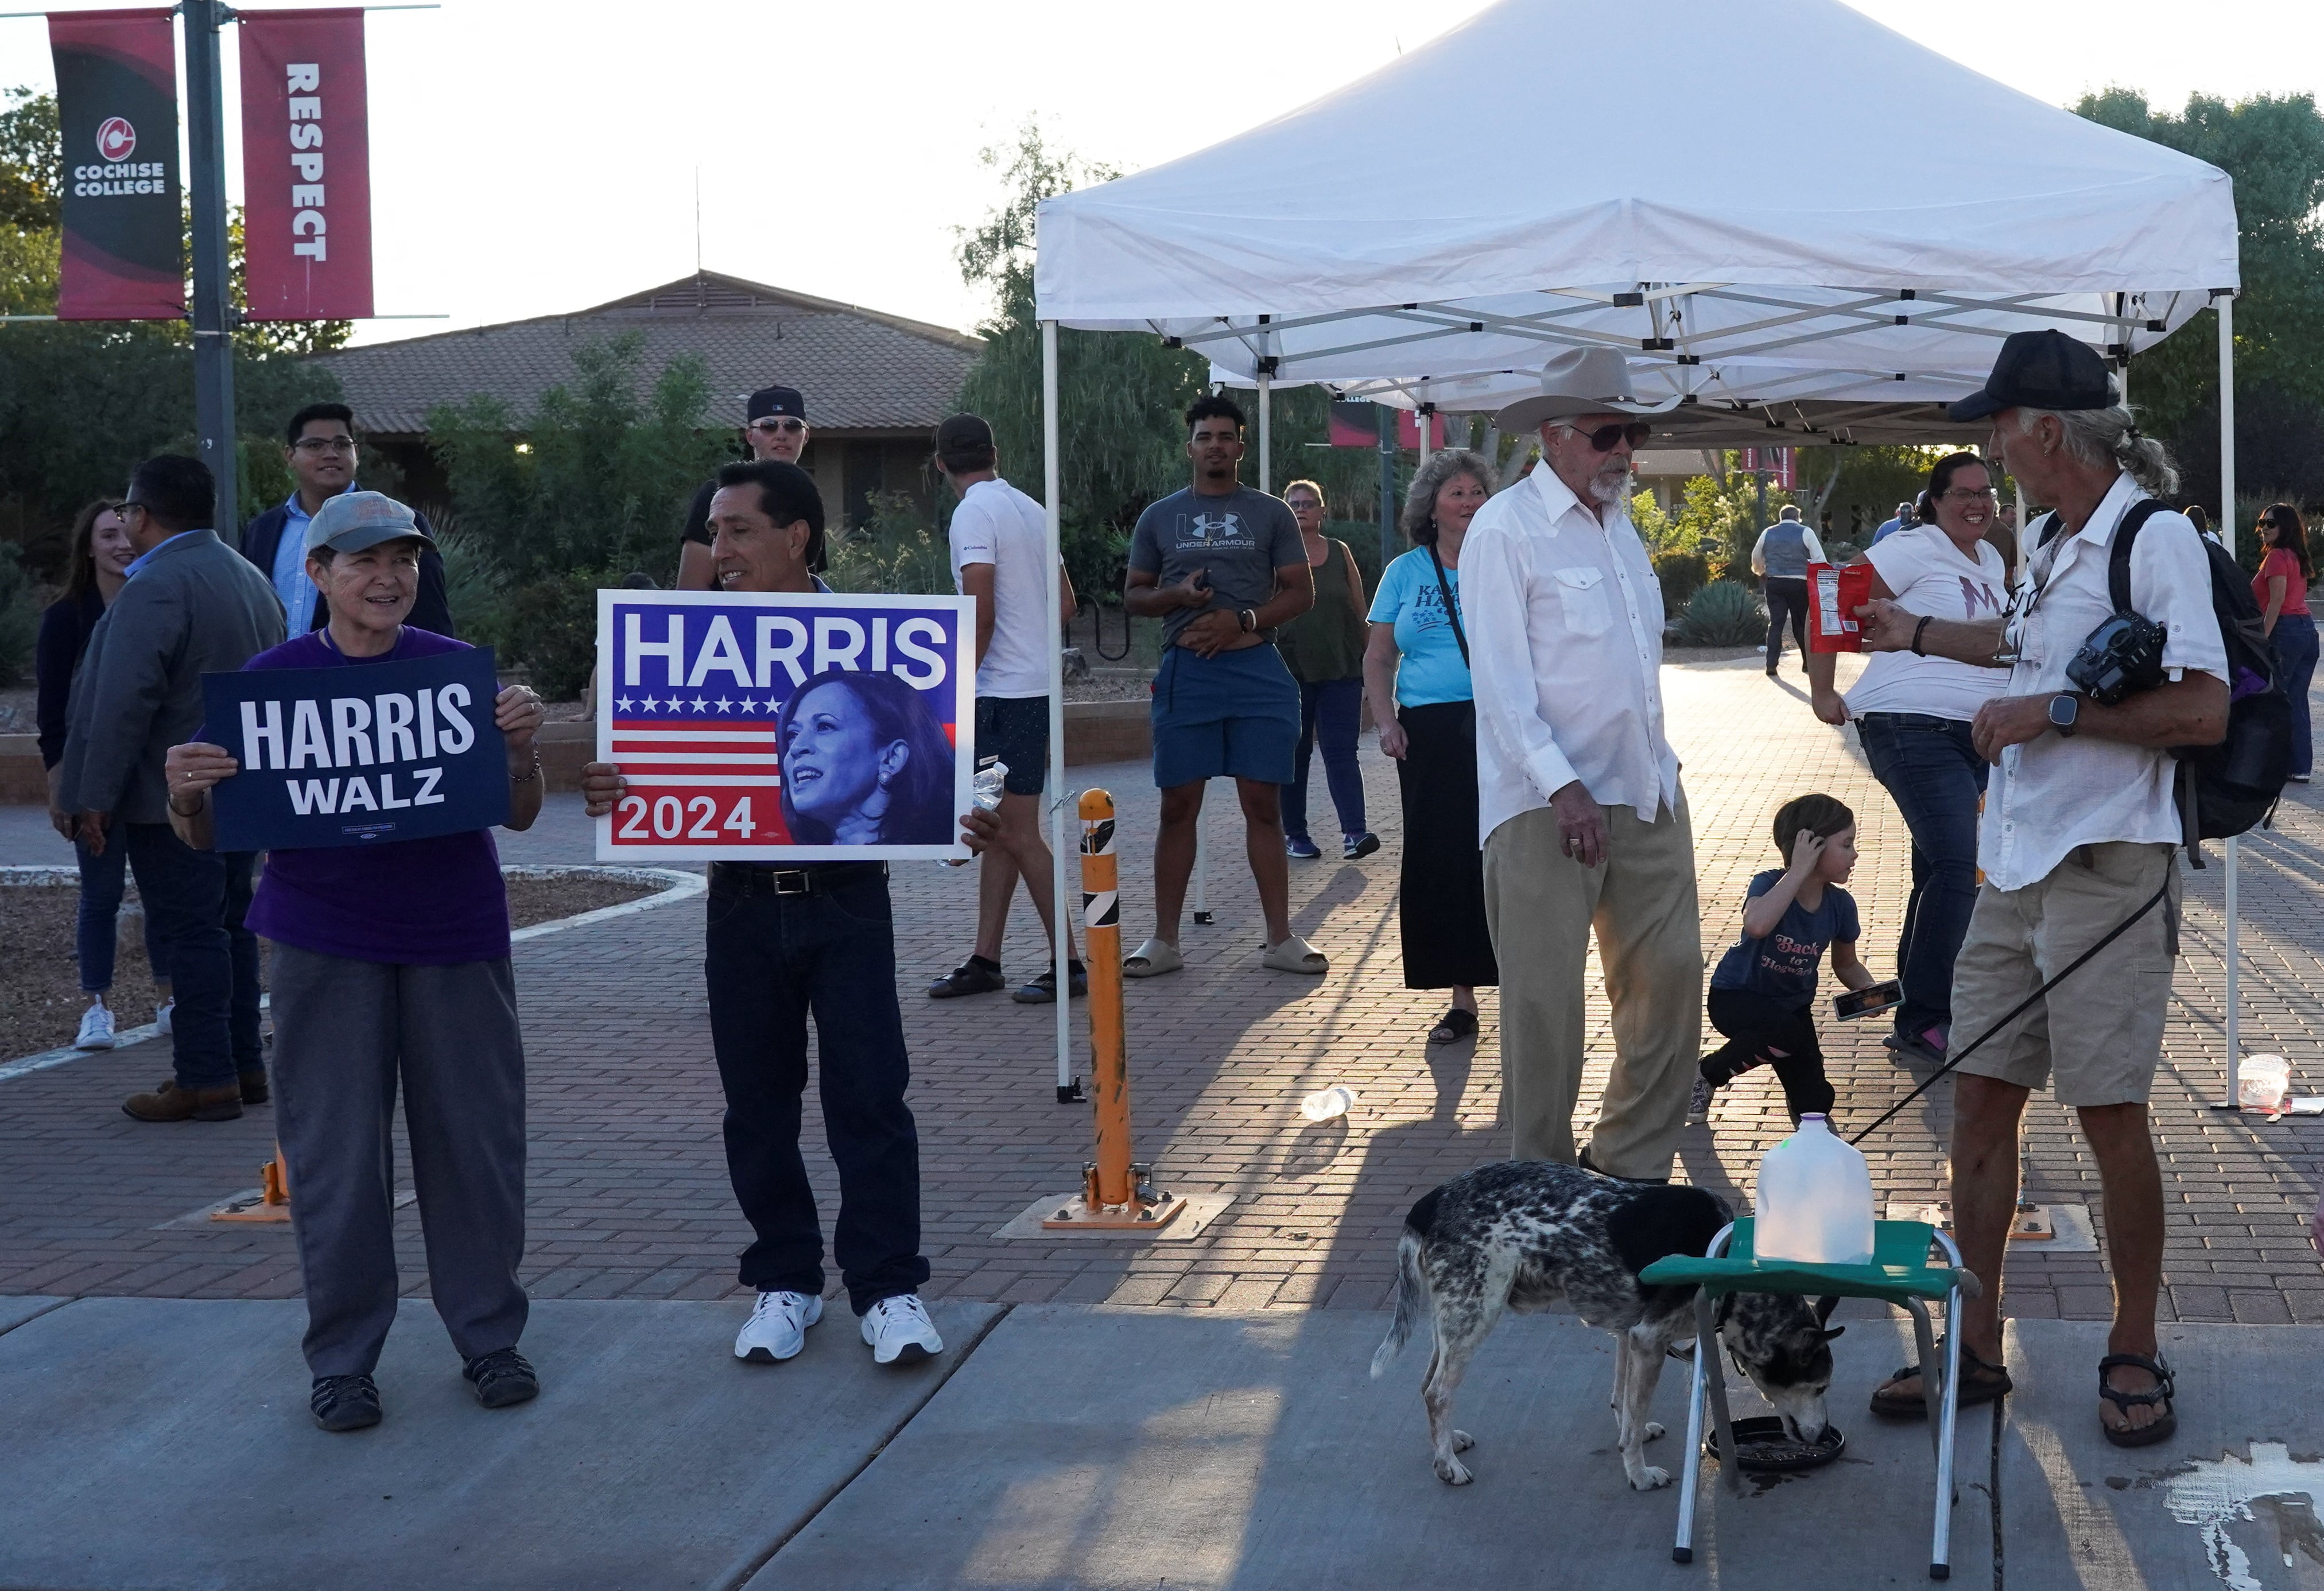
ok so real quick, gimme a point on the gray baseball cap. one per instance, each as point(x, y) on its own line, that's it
point(353, 520)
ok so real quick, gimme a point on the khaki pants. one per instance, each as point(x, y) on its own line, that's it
point(1542, 907)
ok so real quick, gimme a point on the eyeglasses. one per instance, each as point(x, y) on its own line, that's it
point(314, 446)
point(1604, 438)
point(1966, 494)
point(124, 506)
point(786, 425)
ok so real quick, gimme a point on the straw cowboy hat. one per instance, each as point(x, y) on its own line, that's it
point(1580, 380)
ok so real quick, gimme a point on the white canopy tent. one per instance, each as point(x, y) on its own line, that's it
point(1836, 272)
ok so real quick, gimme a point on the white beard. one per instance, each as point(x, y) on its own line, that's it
point(1609, 490)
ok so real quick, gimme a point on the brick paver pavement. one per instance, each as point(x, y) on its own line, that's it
point(628, 1188)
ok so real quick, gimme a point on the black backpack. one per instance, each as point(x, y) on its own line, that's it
point(2233, 786)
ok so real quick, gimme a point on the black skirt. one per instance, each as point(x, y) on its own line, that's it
point(1440, 896)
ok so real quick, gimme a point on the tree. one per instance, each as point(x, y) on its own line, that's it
point(579, 492)
point(2272, 146)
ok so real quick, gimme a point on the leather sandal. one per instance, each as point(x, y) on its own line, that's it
point(2164, 1391)
point(1981, 1382)
point(1454, 1026)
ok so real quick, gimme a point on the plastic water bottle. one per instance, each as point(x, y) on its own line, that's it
point(986, 788)
point(1816, 1200)
point(1324, 1104)
point(2262, 1081)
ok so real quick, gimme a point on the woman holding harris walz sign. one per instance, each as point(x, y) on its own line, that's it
point(390, 963)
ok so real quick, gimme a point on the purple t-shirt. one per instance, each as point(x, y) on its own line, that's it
point(410, 903)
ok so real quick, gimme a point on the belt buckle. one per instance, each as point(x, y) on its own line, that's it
point(792, 882)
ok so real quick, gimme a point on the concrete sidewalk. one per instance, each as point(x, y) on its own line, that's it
point(165, 1445)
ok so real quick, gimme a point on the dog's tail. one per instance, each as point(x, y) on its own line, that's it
point(1411, 1297)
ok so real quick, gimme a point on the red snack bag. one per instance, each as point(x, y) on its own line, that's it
point(1834, 593)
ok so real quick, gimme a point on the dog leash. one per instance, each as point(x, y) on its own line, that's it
point(2118, 930)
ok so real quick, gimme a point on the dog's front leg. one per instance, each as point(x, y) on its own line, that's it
point(1637, 1365)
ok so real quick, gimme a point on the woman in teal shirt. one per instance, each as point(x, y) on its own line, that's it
point(1417, 681)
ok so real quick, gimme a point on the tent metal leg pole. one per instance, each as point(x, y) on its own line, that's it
point(1265, 434)
point(2226, 306)
point(1068, 1088)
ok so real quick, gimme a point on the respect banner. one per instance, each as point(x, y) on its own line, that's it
point(117, 111)
point(351, 756)
point(780, 728)
point(306, 165)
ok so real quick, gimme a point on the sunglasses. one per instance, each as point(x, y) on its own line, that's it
point(1604, 438)
point(788, 427)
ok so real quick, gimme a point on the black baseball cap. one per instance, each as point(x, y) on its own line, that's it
point(964, 433)
point(769, 401)
point(2040, 370)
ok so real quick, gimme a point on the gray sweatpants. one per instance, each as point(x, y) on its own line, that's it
point(345, 1032)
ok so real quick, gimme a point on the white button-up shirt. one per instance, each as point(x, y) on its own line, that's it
point(2053, 793)
point(1565, 649)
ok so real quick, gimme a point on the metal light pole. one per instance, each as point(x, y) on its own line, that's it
point(1386, 482)
point(213, 306)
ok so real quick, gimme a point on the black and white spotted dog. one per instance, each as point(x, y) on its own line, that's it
point(1521, 1234)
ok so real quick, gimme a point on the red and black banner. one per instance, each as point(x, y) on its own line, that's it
point(306, 166)
point(118, 105)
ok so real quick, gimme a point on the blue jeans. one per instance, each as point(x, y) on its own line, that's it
point(2295, 655)
point(1935, 777)
point(1329, 711)
point(103, 880)
point(194, 905)
point(774, 959)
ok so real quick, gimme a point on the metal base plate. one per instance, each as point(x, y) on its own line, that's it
point(1074, 1216)
point(1198, 1211)
point(2051, 1229)
point(251, 1206)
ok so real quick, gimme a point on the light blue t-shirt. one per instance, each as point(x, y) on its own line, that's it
point(1432, 669)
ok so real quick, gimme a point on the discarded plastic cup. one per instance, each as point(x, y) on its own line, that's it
point(2262, 1081)
point(1326, 1103)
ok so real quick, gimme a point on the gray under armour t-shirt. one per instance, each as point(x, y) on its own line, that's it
point(1238, 541)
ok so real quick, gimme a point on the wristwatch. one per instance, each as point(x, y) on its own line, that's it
point(2065, 707)
point(1248, 619)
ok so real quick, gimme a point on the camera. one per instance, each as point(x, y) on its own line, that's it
point(2123, 656)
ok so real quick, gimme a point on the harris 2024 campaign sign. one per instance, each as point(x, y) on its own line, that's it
point(779, 728)
point(357, 754)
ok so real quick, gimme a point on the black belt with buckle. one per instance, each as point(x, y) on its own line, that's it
point(807, 880)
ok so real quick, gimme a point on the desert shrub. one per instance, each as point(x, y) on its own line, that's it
point(1723, 614)
point(1682, 575)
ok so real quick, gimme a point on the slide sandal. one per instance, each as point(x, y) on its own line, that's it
point(1152, 959)
point(1294, 954)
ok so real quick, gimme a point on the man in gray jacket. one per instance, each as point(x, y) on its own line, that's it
point(193, 606)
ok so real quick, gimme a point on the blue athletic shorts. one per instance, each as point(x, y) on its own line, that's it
point(1232, 716)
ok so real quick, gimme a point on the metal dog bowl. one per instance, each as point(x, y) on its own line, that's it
point(1762, 1448)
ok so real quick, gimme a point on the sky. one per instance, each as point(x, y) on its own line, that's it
point(530, 158)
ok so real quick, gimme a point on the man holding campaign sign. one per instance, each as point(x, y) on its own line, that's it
point(798, 740)
point(361, 757)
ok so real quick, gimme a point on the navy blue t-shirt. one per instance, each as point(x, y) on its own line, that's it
point(1783, 966)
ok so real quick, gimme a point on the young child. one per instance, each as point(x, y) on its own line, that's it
point(1763, 994)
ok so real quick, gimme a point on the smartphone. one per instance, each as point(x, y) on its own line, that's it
point(1867, 1000)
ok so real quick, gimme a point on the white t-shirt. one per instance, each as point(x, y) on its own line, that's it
point(999, 525)
point(1929, 575)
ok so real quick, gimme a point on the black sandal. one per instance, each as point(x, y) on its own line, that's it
point(2164, 1391)
point(1981, 1382)
point(1454, 1026)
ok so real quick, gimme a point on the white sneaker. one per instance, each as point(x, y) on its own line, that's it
point(162, 1013)
point(95, 1029)
point(899, 1331)
point(777, 1329)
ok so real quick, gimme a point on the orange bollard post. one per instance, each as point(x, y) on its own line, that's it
point(274, 1201)
point(1116, 1191)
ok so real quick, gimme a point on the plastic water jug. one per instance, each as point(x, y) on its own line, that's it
point(2261, 1082)
point(1324, 1104)
point(1816, 1200)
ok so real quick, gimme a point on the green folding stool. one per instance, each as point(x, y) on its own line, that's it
point(1899, 1273)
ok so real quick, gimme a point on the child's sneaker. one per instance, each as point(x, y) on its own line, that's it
point(1698, 1103)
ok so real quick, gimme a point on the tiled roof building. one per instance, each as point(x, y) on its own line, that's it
point(875, 384)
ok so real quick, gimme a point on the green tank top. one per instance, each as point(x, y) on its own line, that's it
point(1327, 641)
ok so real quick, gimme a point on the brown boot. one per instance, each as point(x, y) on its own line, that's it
point(172, 1103)
point(255, 1091)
